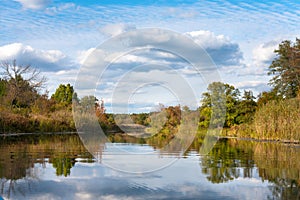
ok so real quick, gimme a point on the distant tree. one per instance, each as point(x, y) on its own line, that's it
point(141, 118)
point(219, 99)
point(88, 103)
point(246, 108)
point(173, 116)
point(186, 109)
point(63, 94)
point(23, 83)
point(43, 105)
point(286, 69)
point(265, 97)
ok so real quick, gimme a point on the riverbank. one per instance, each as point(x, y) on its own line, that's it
point(288, 142)
point(44, 133)
point(119, 137)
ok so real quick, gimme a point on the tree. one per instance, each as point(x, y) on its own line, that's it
point(89, 103)
point(265, 97)
point(286, 69)
point(63, 94)
point(220, 98)
point(246, 108)
point(23, 83)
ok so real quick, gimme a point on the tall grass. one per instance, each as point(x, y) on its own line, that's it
point(278, 120)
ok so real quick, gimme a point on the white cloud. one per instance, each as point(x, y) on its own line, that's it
point(208, 39)
point(34, 4)
point(60, 77)
point(50, 60)
point(221, 49)
point(260, 59)
point(250, 84)
point(116, 29)
point(158, 56)
point(264, 53)
point(83, 55)
point(115, 197)
point(129, 58)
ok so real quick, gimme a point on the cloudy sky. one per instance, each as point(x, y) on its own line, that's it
point(57, 37)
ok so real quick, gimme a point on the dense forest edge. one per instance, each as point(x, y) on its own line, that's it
point(272, 115)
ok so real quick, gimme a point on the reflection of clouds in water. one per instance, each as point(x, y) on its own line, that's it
point(93, 181)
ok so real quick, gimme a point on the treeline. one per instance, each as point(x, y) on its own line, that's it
point(274, 115)
point(277, 116)
point(270, 115)
point(24, 109)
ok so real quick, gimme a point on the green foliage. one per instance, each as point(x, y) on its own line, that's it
point(246, 108)
point(141, 118)
point(286, 69)
point(220, 99)
point(23, 109)
point(63, 94)
point(63, 165)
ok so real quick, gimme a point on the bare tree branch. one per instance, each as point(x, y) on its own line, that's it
point(10, 70)
point(21, 80)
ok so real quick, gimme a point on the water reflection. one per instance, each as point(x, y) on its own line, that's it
point(273, 162)
point(46, 166)
point(226, 162)
point(20, 155)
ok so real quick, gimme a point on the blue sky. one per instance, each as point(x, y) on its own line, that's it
point(56, 36)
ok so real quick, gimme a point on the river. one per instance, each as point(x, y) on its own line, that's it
point(59, 167)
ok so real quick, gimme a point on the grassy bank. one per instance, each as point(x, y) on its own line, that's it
point(277, 120)
point(58, 121)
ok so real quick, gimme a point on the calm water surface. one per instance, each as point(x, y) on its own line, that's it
point(59, 167)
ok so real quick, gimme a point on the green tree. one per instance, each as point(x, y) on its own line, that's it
point(63, 165)
point(220, 98)
point(246, 108)
point(63, 94)
point(286, 69)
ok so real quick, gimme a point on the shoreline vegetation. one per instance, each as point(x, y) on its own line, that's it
point(271, 116)
point(118, 134)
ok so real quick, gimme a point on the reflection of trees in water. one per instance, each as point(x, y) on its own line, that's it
point(20, 154)
point(229, 159)
point(285, 189)
point(17, 171)
point(225, 163)
point(277, 163)
point(63, 165)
